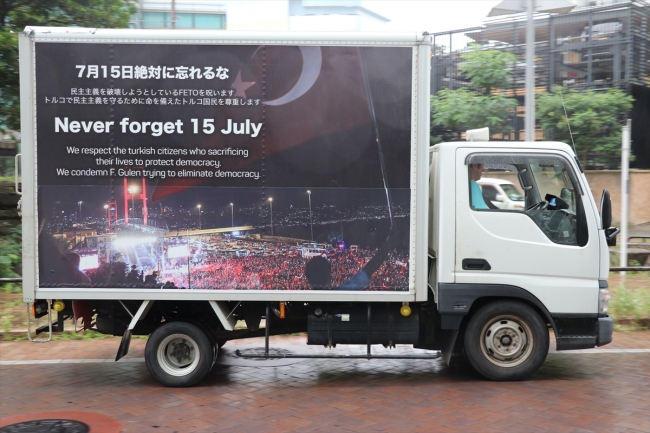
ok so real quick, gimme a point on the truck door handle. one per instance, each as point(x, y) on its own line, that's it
point(476, 265)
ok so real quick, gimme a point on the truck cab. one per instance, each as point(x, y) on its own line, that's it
point(498, 270)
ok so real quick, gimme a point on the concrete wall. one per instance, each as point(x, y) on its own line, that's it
point(639, 212)
point(639, 193)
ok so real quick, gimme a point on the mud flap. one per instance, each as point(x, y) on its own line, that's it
point(448, 337)
point(124, 345)
point(126, 338)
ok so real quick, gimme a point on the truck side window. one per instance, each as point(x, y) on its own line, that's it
point(495, 189)
point(544, 187)
point(489, 192)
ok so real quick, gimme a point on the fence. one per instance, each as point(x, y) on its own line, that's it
point(590, 48)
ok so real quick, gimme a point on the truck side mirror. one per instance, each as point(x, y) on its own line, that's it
point(606, 219)
point(606, 210)
point(500, 197)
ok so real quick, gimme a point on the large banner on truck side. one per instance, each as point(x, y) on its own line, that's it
point(223, 167)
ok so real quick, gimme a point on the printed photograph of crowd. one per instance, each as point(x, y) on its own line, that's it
point(338, 244)
point(226, 262)
point(292, 266)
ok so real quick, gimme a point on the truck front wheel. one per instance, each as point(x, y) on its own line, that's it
point(506, 340)
point(178, 354)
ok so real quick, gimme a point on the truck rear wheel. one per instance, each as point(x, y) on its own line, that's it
point(506, 340)
point(179, 354)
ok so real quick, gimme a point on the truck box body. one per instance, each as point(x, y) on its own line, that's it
point(215, 158)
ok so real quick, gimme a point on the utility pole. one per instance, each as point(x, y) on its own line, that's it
point(625, 191)
point(508, 7)
point(529, 121)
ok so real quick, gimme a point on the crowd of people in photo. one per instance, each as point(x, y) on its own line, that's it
point(216, 262)
point(287, 272)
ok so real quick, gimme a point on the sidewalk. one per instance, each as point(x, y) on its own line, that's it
point(105, 349)
point(573, 392)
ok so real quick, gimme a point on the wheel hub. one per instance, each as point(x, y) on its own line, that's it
point(506, 341)
point(178, 355)
point(181, 352)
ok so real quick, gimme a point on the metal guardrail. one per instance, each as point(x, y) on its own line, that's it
point(630, 268)
point(11, 280)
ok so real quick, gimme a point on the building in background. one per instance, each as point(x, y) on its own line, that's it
point(600, 44)
point(179, 14)
point(324, 15)
point(270, 15)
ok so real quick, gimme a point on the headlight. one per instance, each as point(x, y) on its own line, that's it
point(603, 301)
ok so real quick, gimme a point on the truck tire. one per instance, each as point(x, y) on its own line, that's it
point(506, 340)
point(179, 354)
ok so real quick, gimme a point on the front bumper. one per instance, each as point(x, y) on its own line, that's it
point(573, 333)
point(605, 330)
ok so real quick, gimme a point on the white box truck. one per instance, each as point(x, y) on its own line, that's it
point(176, 183)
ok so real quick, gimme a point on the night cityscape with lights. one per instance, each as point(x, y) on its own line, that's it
point(248, 244)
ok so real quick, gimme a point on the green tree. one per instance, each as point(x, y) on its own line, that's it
point(15, 15)
point(595, 119)
point(10, 256)
point(463, 108)
point(488, 69)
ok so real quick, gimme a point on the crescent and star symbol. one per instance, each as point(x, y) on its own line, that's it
point(240, 86)
point(312, 61)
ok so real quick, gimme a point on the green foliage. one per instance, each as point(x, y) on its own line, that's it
point(10, 257)
point(85, 335)
point(16, 14)
point(6, 325)
point(595, 119)
point(464, 109)
point(634, 263)
point(630, 303)
point(60, 336)
point(78, 13)
point(488, 69)
point(9, 83)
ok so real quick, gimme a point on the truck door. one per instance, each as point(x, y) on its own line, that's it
point(550, 247)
